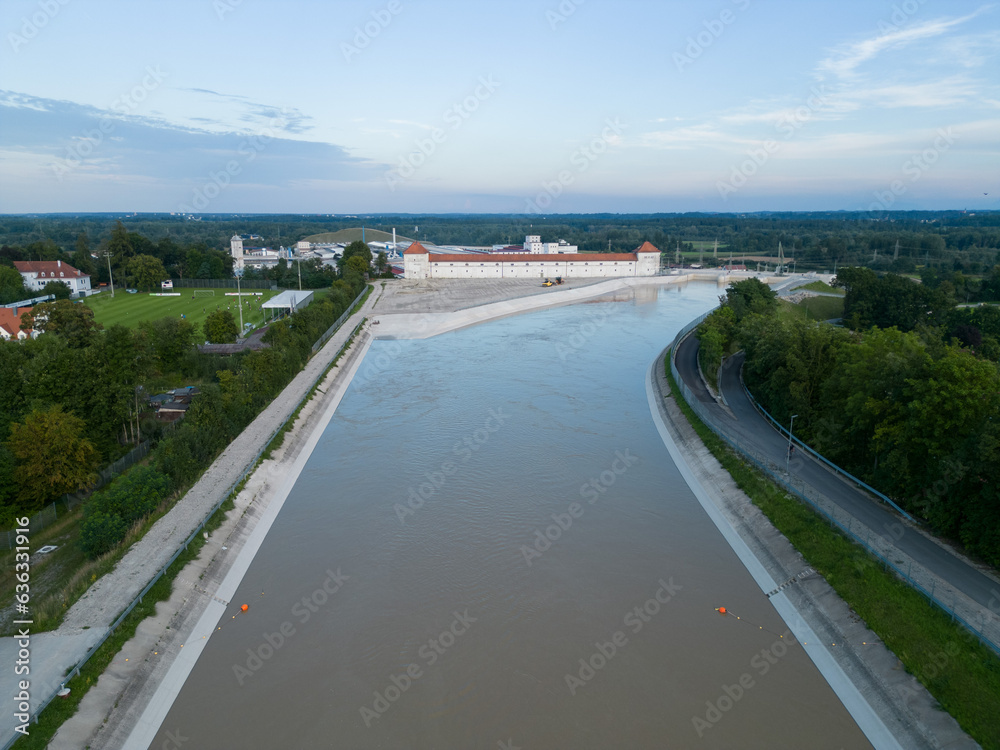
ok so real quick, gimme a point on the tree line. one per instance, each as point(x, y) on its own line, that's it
point(75, 399)
point(897, 397)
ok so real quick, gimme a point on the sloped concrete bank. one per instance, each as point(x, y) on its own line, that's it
point(892, 708)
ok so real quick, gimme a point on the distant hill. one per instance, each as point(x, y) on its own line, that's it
point(354, 233)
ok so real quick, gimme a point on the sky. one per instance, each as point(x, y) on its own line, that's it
point(538, 107)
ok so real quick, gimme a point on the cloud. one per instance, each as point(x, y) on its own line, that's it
point(844, 61)
point(83, 144)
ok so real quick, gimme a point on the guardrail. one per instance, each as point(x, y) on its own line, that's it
point(823, 459)
point(959, 611)
point(340, 321)
point(250, 466)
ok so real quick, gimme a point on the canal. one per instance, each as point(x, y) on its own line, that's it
point(490, 547)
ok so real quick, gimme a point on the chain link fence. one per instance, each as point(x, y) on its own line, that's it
point(962, 609)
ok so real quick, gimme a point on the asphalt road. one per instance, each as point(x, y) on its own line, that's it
point(746, 425)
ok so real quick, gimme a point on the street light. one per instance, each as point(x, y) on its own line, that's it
point(788, 455)
point(239, 303)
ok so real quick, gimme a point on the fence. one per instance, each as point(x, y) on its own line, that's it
point(223, 284)
point(339, 321)
point(50, 513)
point(883, 549)
point(247, 469)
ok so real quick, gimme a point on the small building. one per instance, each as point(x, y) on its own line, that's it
point(288, 302)
point(10, 325)
point(38, 273)
point(171, 411)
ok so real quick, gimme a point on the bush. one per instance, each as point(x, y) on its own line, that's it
point(112, 511)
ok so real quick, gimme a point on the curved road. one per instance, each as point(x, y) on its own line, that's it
point(744, 424)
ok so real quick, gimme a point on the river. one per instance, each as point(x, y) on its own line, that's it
point(490, 547)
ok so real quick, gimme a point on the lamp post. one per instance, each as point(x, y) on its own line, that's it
point(788, 454)
point(239, 303)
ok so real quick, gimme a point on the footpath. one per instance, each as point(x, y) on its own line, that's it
point(55, 653)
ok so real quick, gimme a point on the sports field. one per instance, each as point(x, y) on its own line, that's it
point(132, 309)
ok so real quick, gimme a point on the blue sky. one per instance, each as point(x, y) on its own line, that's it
point(550, 106)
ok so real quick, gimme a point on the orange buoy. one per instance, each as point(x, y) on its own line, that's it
point(722, 610)
point(244, 608)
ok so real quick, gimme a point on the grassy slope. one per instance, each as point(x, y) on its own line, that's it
point(132, 309)
point(962, 674)
point(350, 235)
point(820, 286)
point(813, 308)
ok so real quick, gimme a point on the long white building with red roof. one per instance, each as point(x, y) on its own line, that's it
point(419, 263)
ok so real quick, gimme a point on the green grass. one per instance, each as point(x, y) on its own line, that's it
point(61, 709)
point(132, 309)
point(813, 308)
point(353, 234)
point(820, 286)
point(961, 673)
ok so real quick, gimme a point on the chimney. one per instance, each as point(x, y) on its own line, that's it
point(59, 263)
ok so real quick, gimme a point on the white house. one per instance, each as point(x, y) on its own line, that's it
point(533, 244)
point(418, 263)
point(38, 273)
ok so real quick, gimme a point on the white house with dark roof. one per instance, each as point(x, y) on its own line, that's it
point(38, 273)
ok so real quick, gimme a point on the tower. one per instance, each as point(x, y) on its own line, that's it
point(236, 248)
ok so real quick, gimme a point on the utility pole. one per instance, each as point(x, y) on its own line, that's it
point(239, 301)
point(715, 252)
point(788, 455)
point(110, 277)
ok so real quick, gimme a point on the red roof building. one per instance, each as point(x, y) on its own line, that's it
point(38, 273)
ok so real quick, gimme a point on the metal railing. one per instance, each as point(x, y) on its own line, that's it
point(879, 546)
point(247, 469)
point(50, 513)
point(339, 321)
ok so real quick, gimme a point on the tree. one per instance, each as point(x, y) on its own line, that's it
point(146, 271)
point(120, 248)
point(169, 339)
point(57, 289)
point(221, 327)
point(74, 322)
point(357, 264)
point(381, 262)
point(356, 249)
point(82, 260)
point(52, 457)
point(11, 285)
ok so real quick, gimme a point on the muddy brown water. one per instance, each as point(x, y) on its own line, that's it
point(490, 547)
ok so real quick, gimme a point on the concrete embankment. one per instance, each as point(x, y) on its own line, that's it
point(890, 705)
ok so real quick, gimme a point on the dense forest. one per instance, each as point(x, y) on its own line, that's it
point(907, 396)
point(901, 241)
